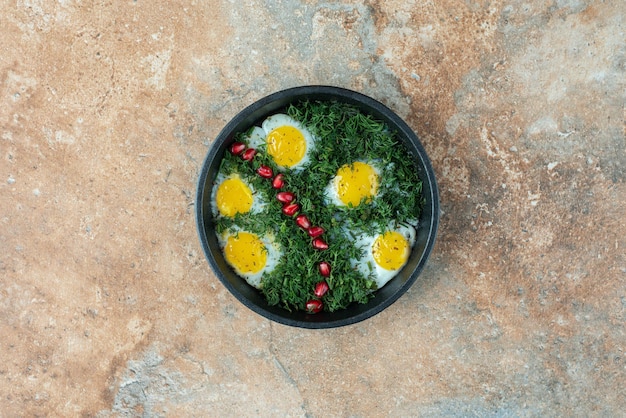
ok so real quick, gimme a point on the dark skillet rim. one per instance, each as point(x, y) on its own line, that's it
point(355, 313)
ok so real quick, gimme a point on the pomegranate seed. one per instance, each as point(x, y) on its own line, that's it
point(324, 268)
point(248, 154)
point(319, 244)
point(303, 222)
point(265, 172)
point(314, 306)
point(320, 289)
point(237, 148)
point(285, 197)
point(315, 231)
point(278, 181)
point(291, 209)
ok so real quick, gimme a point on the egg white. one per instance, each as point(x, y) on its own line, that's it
point(367, 264)
point(330, 192)
point(258, 203)
point(255, 138)
point(278, 120)
point(273, 256)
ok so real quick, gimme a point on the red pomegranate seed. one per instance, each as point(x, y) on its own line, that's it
point(248, 154)
point(285, 197)
point(303, 222)
point(278, 181)
point(315, 231)
point(237, 148)
point(314, 306)
point(319, 244)
point(324, 268)
point(265, 172)
point(320, 289)
point(291, 209)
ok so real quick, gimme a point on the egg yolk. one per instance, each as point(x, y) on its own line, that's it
point(390, 250)
point(286, 145)
point(355, 182)
point(233, 196)
point(245, 252)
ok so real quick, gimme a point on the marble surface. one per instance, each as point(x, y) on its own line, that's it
point(108, 307)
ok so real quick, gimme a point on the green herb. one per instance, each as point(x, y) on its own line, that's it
point(343, 135)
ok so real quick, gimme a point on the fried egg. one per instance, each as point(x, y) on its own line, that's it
point(385, 254)
point(287, 141)
point(232, 194)
point(250, 255)
point(352, 184)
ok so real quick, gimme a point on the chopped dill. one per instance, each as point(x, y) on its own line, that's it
point(343, 135)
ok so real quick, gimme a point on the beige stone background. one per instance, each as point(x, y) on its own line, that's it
point(108, 307)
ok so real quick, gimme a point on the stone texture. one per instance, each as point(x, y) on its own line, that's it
point(108, 307)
